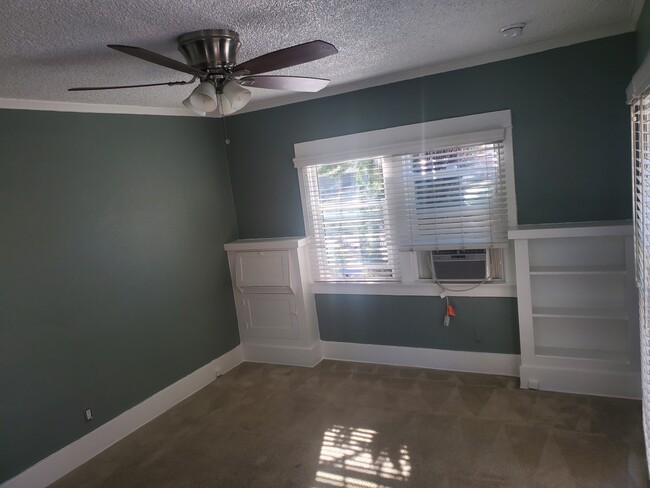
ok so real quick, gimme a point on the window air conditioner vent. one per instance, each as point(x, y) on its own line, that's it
point(461, 265)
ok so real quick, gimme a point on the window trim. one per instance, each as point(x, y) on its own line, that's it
point(417, 137)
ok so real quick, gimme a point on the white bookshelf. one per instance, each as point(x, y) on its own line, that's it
point(578, 316)
point(580, 313)
point(576, 270)
point(577, 353)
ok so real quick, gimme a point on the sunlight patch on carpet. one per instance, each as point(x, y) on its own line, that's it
point(361, 458)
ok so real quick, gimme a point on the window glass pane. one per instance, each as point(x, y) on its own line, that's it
point(454, 197)
point(348, 212)
point(361, 212)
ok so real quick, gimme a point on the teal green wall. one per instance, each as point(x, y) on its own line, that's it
point(113, 282)
point(571, 153)
point(481, 324)
point(113, 279)
point(643, 34)
point(570, 131)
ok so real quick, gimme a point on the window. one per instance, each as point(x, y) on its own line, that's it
point(369, 198)
point(349, 221)
point(453, 197)
point(641, 182)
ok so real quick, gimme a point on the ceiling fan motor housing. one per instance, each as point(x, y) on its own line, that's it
point(211, 50)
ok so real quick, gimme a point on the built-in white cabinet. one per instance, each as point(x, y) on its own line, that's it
point(276, 310)
point(578, 316)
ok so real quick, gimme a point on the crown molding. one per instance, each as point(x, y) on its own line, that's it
point(470, 62)
point(612, 30)
point(57, 106)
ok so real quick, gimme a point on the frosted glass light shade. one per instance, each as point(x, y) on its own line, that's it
point(237, 96)
point(188, 104)
point(224, 105)
point(204, 97)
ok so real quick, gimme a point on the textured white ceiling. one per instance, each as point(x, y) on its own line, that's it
point(48, 46)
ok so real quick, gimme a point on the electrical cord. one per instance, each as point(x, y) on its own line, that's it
point(449, 311)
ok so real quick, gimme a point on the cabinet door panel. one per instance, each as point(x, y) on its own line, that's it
point(271, 316)
point(263, 268)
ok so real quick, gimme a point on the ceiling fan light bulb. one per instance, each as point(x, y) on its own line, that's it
point(204, 97)
point(237, 95)
point(188, 104)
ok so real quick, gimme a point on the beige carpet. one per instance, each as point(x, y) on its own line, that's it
point(353, 425)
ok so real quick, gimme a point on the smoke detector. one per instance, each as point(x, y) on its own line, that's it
point(514, 30)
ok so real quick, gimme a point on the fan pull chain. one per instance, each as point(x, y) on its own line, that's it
point(225, 129)
point(223, 120)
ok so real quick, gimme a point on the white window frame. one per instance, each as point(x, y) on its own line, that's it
point(405, 139)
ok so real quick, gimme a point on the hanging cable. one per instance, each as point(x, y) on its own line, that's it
point(223, 119)
point(225, 130)
point(449, 310)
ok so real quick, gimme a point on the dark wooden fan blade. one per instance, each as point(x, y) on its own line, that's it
point(290, 56)
point(158, 59)
point(92, 88)
point(288, 83)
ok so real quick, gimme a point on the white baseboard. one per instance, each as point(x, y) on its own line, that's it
point(60, 463)
point(601, 383)
point(294, 356)
point(73, 455)
point(475, 362)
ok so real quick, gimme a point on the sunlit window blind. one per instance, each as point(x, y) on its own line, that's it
point(641, 182)
point(351, 238)
point(361, 213)
point(450, 198)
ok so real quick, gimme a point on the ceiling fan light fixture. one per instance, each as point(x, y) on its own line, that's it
point(211, 56)
point(237, 96)
point(204, 97)
point(188, 104)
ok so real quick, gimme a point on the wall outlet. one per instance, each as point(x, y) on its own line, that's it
point(478, 335)
point(88, 414)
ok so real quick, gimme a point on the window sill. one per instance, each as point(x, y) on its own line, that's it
point(414, 289)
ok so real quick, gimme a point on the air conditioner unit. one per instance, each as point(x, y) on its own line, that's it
point(461, 265)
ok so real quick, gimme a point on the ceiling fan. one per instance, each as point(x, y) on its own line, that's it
point(211, 59)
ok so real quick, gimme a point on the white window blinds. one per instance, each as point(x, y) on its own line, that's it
point(349, 222)
point(444, 193)
point(641, 182)
point(450, 198)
